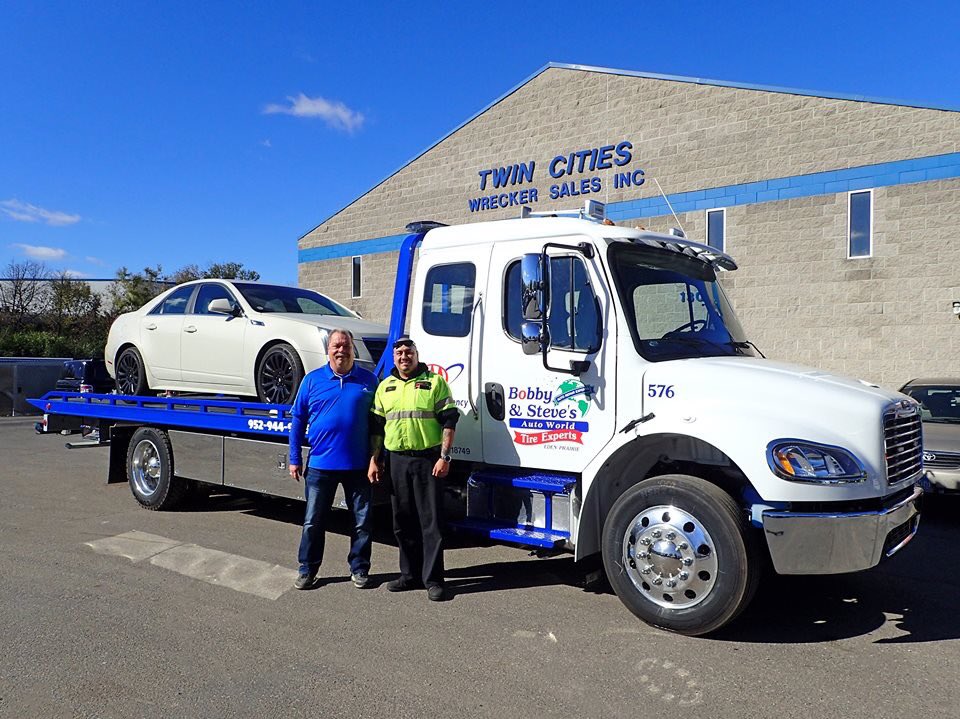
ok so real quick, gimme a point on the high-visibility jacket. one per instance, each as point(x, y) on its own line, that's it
point(415, 411)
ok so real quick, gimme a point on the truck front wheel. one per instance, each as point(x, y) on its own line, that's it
point(150, 470)
point(680, 554)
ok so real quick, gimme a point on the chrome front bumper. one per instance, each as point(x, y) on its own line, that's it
point(837, 542)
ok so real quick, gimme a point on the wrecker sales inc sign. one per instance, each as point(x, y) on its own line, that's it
point(576, 173)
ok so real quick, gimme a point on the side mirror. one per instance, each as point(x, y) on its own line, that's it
point(532, 338)
point(223, 306)
point(534, 287)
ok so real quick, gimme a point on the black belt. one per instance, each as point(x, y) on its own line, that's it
point(428, 453)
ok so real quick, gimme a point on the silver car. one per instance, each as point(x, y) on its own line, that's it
point(940, 411)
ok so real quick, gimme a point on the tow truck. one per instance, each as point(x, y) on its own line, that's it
point(611, 405)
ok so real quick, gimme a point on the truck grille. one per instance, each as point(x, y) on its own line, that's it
point(903, 441)
point(941, 460)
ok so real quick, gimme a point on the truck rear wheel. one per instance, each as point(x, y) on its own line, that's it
point(679, 553)
point(150, 470)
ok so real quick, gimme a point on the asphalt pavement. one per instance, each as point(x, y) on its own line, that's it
point(110, 610)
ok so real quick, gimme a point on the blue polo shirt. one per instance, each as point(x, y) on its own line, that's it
point(333, 411)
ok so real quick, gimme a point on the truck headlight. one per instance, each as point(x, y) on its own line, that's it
point(800, 461)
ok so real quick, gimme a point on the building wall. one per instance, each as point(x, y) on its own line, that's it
point(887, 318)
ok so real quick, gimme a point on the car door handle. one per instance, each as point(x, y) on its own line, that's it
point(151, 326)
point(190, 328)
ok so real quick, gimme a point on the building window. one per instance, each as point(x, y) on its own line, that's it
point(717, 228)
point(448, 299)
point(860, 226)
point(355, 284)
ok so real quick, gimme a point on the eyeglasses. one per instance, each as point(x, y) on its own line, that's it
point(402, 343)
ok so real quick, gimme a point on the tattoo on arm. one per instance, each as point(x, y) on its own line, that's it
point(447, 441)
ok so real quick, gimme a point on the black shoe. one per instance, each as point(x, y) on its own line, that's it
point(305, 581)
point(403, 584)
point(437, 593)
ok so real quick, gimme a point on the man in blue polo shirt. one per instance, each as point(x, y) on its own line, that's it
point(332, 408)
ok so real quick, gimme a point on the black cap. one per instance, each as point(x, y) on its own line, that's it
point(404, 341)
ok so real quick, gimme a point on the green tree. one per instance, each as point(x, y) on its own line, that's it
point(131, 290)
point(230, 271)
point(73, 304)
point(219, 270)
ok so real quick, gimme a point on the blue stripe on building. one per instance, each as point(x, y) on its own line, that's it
point(884, 174)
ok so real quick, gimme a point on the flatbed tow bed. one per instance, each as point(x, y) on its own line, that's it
point(156, 442)
point(165, 445)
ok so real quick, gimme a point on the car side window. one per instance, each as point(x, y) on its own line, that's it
point(176, 302)
point(208, 293)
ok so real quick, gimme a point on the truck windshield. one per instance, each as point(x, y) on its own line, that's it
point(674, 305)
point(277, 298)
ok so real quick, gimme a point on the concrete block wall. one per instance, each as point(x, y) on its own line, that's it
point(886, 318)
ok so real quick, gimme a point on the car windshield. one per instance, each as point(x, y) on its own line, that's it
point(277, 298)
point(937, 404)
point(675, 307)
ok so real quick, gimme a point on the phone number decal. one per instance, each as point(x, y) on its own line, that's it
point(268, 425)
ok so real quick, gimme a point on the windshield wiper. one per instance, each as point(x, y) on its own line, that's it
point(745, 344)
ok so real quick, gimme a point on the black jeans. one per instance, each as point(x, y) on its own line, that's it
point(418, 517)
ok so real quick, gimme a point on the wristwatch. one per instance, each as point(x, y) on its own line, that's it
point(446, 458)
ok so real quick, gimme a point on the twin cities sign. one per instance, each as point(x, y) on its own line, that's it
point(503, 186)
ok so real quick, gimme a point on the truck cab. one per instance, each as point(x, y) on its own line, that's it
point(608, 363)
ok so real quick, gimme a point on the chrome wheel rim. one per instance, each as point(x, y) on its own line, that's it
point(670, 557)
point(276, 377)
point(145, 468)
point(128, 373)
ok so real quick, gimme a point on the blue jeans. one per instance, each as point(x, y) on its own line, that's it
point(320, 486)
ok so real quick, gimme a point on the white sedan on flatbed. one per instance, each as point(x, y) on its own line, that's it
point(231, 337)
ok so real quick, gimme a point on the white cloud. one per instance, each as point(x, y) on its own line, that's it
point(74, 274)
point(39, 252)
point(25, 212)
point(335, 113)
point(266, 143)
point(95, 261)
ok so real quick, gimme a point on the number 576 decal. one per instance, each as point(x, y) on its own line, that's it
point(660, 390)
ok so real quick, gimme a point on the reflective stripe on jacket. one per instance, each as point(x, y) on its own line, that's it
point(410, 409)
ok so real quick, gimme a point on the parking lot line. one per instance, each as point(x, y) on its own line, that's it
point(242, 574)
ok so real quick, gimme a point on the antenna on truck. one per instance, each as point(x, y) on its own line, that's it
point(664, 196)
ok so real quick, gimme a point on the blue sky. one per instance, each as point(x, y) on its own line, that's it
point(136, 133)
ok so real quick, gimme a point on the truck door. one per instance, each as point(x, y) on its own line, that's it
point(446, 319)
point(537, 416)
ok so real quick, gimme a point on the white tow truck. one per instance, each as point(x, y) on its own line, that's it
point(612, 405)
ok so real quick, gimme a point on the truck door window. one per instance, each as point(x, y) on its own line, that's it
point(574, 311)
point(448, 299)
